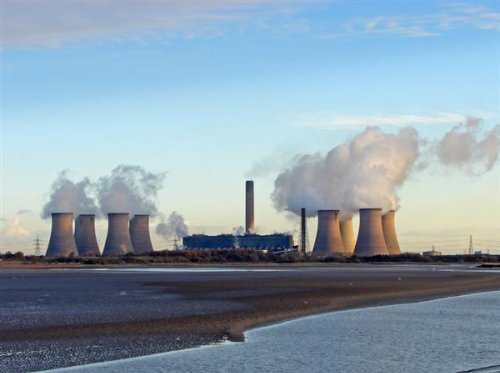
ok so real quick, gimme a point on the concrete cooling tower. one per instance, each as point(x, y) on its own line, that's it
point(328, 239)
point(118, 240)
point(139, 234)
point(391, 239)
point(347, 233)
point(249, 208)
point(62, 242)
point(370, 236)
point(85, 238)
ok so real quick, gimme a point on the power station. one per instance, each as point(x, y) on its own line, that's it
point(376, 235)
point(118, 240)
point(328, 239)
point(250, 240)
point(347, 233)
point(139, 234)
point(85, 237)
point(62, 242)
point(390, 237)
point(370, 240)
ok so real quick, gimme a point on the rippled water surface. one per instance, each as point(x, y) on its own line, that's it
point(447, 335)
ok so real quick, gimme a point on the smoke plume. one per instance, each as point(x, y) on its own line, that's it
point(129, 189)
point(464, 147)
point(363, 173)
point(173, 227)
point(69, 196)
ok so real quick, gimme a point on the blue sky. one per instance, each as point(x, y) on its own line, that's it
point(208, 90)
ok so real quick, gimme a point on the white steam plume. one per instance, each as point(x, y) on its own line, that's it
point(69, 196)
point(130, 189)
point(464, 147)
point(173, 227)
point(363, 173)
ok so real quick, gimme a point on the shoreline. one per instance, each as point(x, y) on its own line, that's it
point(203, 308)
point(264, 326)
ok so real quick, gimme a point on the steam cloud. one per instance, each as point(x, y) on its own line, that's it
point(69, 196)
point(363, 173)
point(462, 146)
point(173, 227)
point(129, 189)
point(369, 170)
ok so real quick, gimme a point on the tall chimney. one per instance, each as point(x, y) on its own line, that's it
point(62, 243)
point(85, 237)
point(347, 233)
point(370, 236)
point(328, 239)
point(389, 227)
point(139, 234)
point(249, 211)
point(118, 239)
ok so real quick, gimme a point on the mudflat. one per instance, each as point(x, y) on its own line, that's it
point(53, 318)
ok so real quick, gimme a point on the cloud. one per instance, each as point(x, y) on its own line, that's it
point(464, 146)
point(449, 18)
point(55, 23)
point(23, 212)
point(339, 120)
point(15, 229)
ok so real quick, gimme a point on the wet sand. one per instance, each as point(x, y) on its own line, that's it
point(55, 318)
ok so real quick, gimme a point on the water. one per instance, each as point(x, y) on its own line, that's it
point(447, 335)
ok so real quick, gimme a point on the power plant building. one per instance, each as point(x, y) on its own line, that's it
point(370, 240)
point(118, 240)
point(62, 242)
point(347, 233)
point(390, 237)
point(328, 239)
point(85, 237)
point(249, 241)
point(139, 234)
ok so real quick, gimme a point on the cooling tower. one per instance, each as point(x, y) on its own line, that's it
point(85, 237)
point(118, 239)
point(389, 227)
point(347, 233)
point(370, 236)
point(62, 242)
point(329, 240)
point(139, 234)
point(249, 208)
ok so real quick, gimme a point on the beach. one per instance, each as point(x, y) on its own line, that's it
point(64, 317)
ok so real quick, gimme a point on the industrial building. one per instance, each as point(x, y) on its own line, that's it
point(85, 237)
point(249, 240)
point(328, 239)
point(62, 242)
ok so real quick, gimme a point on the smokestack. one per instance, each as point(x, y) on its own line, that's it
point(139, 234)
point(347, 233)
point(85, 237)
point(118, 239)
point(391, 239)
point(249, 212)
point(370, 236)
point(329, 240)
point(303, 232)
point(62, 243)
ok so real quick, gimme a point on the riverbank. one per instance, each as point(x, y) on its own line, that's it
point(56, 318)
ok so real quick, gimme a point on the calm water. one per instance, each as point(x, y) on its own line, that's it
point(448, 335)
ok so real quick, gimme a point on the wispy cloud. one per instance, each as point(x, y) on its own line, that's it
point(448, 18)
point(52, 23)
point(55, 23)
point(339, 120)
